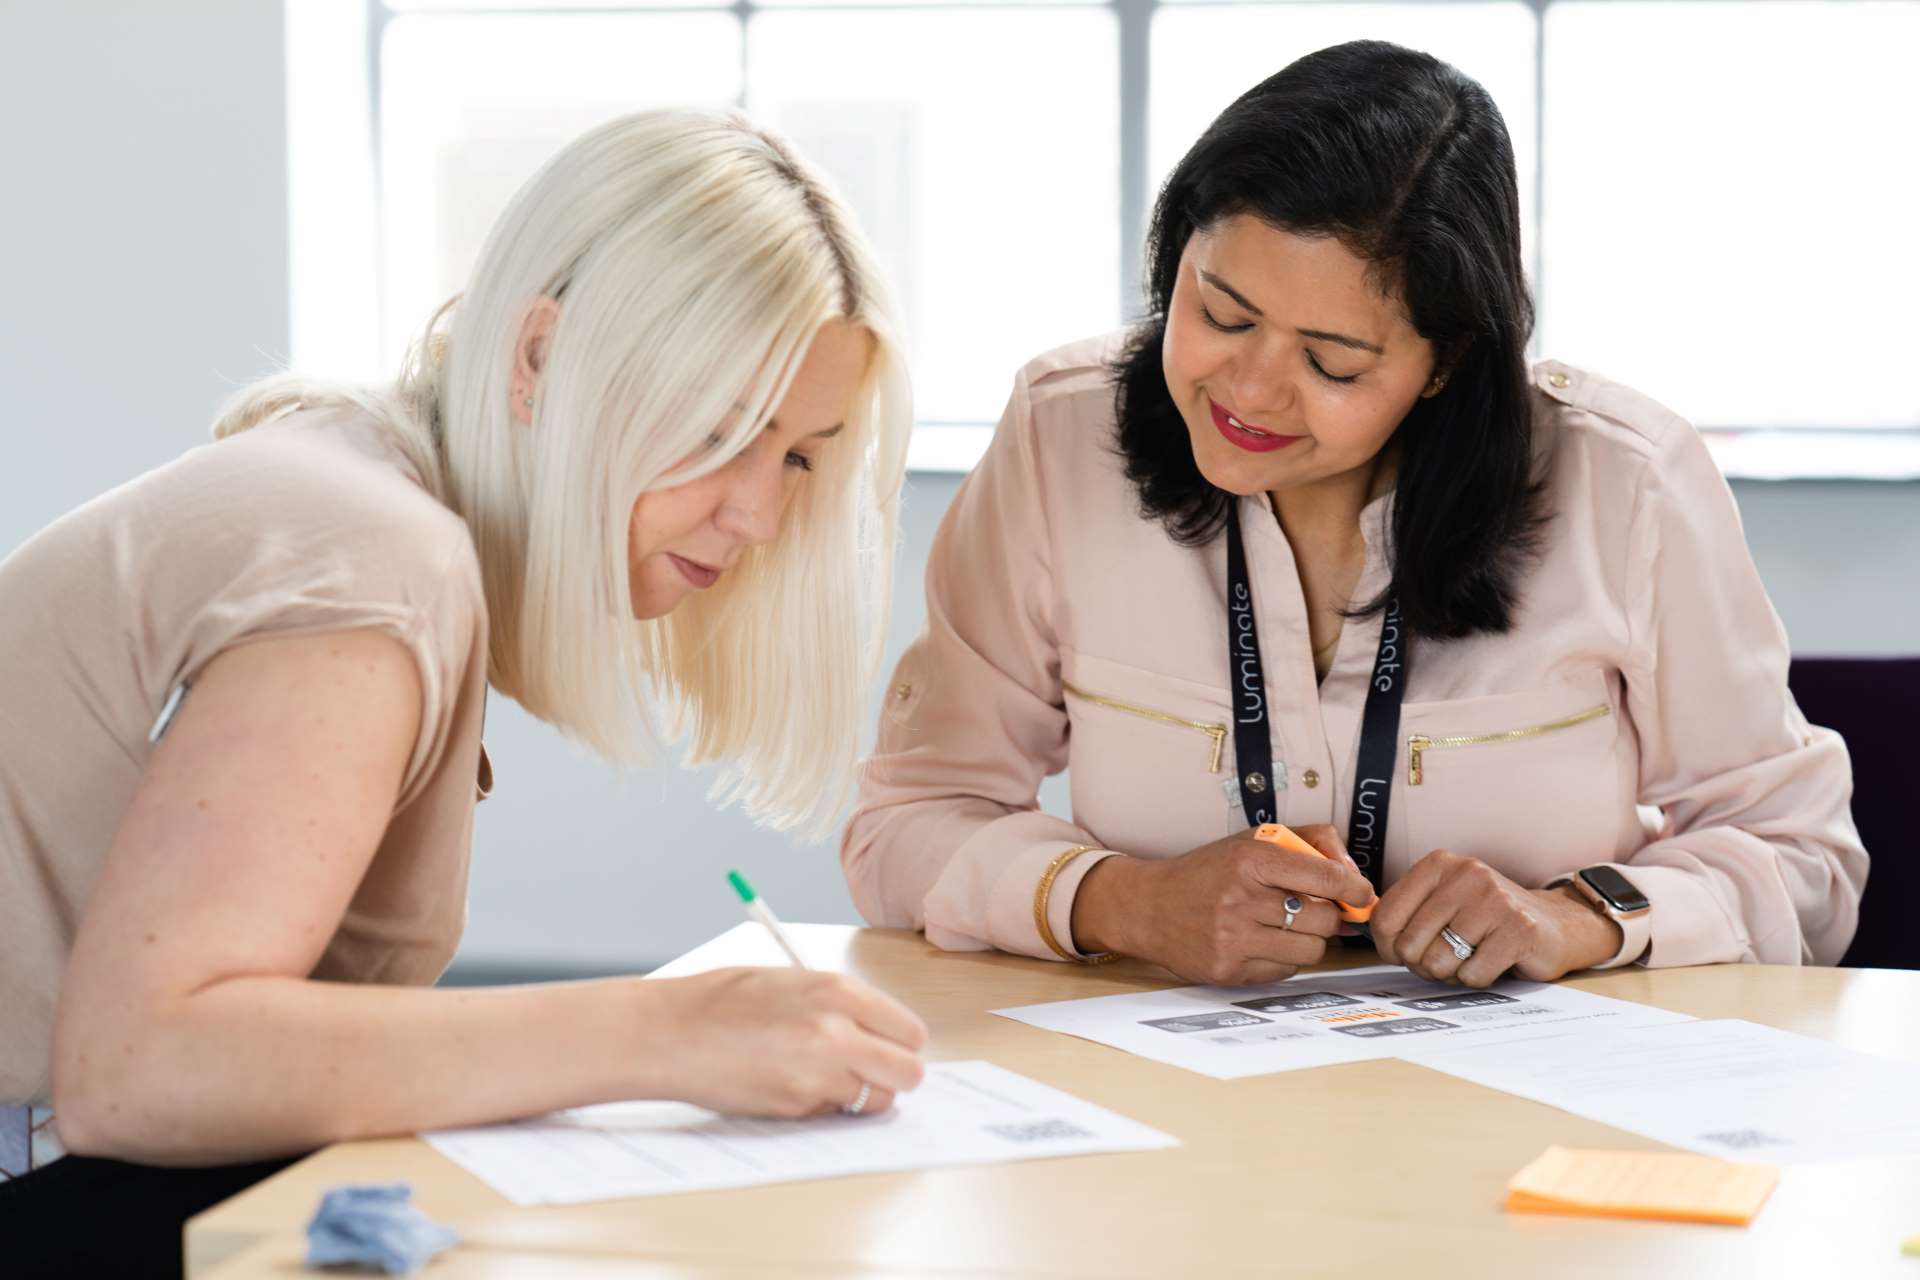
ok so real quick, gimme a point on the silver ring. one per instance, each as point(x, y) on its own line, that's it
point(1462, 949)
point(1292, 907)
point(859, 1102)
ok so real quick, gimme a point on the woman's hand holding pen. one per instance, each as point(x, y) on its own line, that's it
point(1220, 913)
point(787, 1042)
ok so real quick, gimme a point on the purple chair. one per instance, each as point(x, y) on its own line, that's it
point(1874, 703)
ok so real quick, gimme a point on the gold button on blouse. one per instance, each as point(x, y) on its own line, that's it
point(1311, 777)
point(1559, 380)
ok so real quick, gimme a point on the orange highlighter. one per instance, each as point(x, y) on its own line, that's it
point(1274, 833)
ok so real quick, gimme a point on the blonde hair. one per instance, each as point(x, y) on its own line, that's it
point(693, 257)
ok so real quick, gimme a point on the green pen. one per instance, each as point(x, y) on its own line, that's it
point(757, 908)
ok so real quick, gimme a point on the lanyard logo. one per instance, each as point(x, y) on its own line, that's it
point(1251, 703)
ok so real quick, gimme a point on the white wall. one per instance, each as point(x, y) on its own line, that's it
point(143, 234)
point(144, 267)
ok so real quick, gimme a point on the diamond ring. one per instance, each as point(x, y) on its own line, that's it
point(859, 1102)
point(1462, 949)
point(1292, 907)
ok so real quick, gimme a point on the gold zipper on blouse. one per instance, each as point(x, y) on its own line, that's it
point(1216, 732)
point(1420, 743)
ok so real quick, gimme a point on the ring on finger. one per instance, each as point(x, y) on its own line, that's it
point(1462, 949)
point(859, 1102)
point(1292, 907)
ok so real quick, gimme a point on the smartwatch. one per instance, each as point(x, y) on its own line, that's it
point(1615, 897)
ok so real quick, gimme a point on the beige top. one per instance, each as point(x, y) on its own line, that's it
point(307, 525)
point(1636, 714)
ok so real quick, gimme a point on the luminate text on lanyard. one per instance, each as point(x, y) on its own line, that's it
point(1253, 742)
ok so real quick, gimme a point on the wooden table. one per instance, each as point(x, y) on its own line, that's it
point(1380, 1168)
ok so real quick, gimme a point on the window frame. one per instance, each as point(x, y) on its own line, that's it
point(1804, 452)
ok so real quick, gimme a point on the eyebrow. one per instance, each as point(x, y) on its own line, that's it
point(1338, 339)
point(773, 424)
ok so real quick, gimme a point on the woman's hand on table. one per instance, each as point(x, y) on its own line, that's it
point(787, 1042)
point(1541, 933)
point(1218, 914)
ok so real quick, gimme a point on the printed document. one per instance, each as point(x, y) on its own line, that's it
point(1318, 1020)
point(962, 1113)
point(1725, 1088)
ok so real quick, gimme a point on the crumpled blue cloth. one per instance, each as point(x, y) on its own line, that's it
point(374, 1226)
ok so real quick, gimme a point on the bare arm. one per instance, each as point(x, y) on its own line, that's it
point(188, 1033)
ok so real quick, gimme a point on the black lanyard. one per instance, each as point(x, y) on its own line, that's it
point(1379, 723)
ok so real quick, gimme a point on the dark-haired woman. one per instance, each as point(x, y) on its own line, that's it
point(1312, 544)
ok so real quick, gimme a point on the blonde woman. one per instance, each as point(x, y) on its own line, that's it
point(651, 457)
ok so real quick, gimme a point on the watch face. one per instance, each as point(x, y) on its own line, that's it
point(1616, 889)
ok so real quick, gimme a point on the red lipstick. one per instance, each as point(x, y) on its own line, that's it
point(1252, 439)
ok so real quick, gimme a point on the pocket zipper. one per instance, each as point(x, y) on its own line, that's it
point(1216, 732)
point(1419, 743)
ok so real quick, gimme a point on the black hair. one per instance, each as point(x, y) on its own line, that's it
point(1406, 162)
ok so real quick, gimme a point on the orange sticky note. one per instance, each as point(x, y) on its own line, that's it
point(1274, 833)
point(1670, 1185)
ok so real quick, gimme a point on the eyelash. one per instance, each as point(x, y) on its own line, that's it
point(1328, 376)
point(798, 461)
point(1242, 328)
point(1224, 328)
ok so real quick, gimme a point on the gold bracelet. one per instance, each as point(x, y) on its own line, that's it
point(1045, 890)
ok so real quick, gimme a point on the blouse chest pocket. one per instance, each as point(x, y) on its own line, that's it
point(1149, 757)
point(1531, 783)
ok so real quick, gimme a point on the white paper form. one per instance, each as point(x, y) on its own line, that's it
point(962, 1113)
point(1317, 1020)
point(1724, 1088)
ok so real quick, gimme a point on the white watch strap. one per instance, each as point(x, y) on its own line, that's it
point(1636, 935)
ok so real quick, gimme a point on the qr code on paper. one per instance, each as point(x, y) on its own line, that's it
point(1038, 1131)
point(1743, 1139)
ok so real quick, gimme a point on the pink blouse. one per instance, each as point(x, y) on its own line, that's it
point(1637, 712)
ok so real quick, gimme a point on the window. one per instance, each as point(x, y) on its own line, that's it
point(980, 148)
point(1717, 195)
point(1735, 234)
point(473, 103)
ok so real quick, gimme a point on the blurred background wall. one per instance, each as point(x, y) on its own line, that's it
point(197, 192)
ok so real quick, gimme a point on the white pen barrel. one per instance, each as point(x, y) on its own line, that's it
point(761, 912)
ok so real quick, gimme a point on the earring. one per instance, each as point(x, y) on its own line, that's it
point(1434, 387)
point(528, 402)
